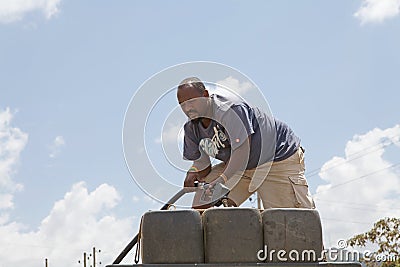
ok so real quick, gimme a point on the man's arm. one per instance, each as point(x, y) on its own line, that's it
point(201, 167)
point(237, 162)
point(195, 175)
point(238, 124)
point(239, 158)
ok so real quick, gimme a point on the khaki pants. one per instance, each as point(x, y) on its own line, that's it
point(280, 184)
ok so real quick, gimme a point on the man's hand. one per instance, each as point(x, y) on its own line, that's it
point(191, 177)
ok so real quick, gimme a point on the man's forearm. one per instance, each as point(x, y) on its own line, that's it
point(238, 160)
point(201, 173)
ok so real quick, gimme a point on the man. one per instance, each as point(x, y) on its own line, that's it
point(258, 152)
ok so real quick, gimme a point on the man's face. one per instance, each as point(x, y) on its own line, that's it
point(193, 103)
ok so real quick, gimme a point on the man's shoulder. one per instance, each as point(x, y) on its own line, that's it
point(223, 104)
point(190, 126)
point(227, 100)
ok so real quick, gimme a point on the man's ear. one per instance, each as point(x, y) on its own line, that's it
point(205, 94)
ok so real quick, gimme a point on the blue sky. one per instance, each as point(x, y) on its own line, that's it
point(68, 70)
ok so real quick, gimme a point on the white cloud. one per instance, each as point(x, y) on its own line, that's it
point(377, 10)
point(6, 201)
point(235, 85)
point(12, 142)
point(76, 223)
point(15, 10)
point(79, 221)
point(56, 146)
point(362, 187)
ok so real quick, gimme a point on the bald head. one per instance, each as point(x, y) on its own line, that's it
point(194, 83)
point(192, 96)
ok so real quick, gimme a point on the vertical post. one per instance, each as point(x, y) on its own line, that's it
point(94, 257)
point(84, 259)
point(46, 262)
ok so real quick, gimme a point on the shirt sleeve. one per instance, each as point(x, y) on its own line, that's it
point(239, 124)
point(202, 162)
point(190, 143)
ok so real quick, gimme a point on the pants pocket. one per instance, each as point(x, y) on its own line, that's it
point(301, 194)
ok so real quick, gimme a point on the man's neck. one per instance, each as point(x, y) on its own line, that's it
point(205, 122)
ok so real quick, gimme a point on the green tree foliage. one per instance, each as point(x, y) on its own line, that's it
point(385, 233)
